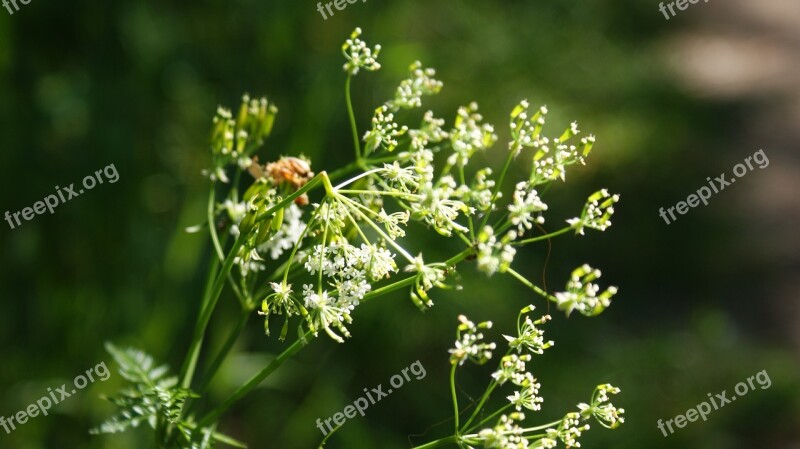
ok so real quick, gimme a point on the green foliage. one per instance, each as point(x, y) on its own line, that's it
point(155, 398)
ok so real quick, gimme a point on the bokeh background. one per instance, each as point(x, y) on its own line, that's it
point(704, 302)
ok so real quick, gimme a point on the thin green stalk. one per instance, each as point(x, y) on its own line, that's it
point(288, 200)
point(223, 352)
point(543, 237)
point(212, 228)
point(471, 224)
point(255, 380)
point(454, 395)
point(483, 400)
point(489, 418)
point(530, 285)
point(437, 443)
point(190, 363)
point(347, 169)
point(499, 185)
point(351, 115)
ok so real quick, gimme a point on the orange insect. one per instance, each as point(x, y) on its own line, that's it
point(292, 170)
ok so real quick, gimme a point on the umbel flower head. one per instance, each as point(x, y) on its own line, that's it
point(581, 294)
point(596, 213)
point(347, 246)
point(359, 55)
point(511, 431)
point(469, 344)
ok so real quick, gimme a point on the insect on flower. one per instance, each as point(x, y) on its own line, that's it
point(294, 171)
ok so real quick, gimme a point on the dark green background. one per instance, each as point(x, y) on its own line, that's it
point(703, 304)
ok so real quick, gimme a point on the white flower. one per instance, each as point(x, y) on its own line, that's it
point(525, 203)
point(377, 262)
point(529, 336)
point(409, 93)
point(571, 429)
point(581, 294)
point(358, 55)
point(493, 255)
point(430, 131)
point(437, 207)
point(528, 397)
point(428, 276)
point(393, 221)
point(469, 345)
point(606, 413)
point(596, 215)
point(506, 434)
point(469, 135)
point(384, 132)
point(326, 312)
point(512, 367)
point(404, 179)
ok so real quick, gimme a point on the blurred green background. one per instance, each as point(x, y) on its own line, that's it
point(704, 302)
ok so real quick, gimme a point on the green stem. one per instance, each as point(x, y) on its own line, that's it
point(437, 443)
point(499, 185)
point(543, 237)
point(338, 173)
point(223, 352)
point(211, 225)
point(297, 193)
point(471, 224)
point(190, 363)
point(255, 380)
point(489, 418)
point(530, 285)
point(409, 281)
point(351, 115)
point(454, 395)
point(481, 403)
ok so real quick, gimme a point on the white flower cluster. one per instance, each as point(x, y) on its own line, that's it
point(529, 336)
point(549, 167)
point(409, 93)
point(384, 132)
point(428, 276)
point(581, 294)
point(429, 132)
point(605, 412)
point(528, 397)
point(437, 204)
point(349, 271)
point(548, 163)
point(525, 203)
point(469, 135)
point(569, 430)
point(507, 434)
point(480, 193)
point(526, 129)
point(493, 255)
point(512, 367)
point(359, 55)
point(469, 344)
point(596, 215)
